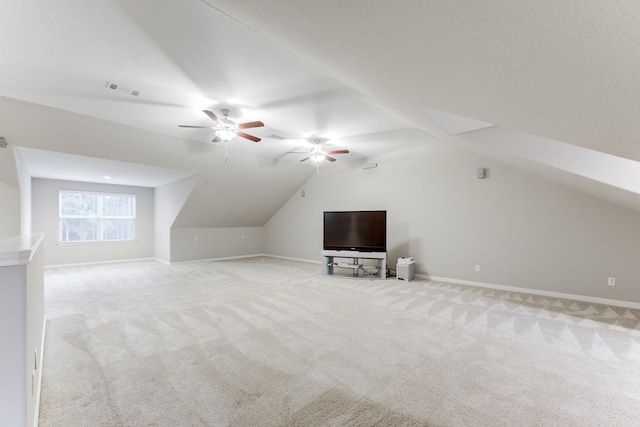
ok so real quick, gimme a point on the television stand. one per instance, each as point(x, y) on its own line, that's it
point(362, 265)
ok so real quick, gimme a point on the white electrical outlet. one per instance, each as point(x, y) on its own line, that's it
point(611, 281)
point(478, 267)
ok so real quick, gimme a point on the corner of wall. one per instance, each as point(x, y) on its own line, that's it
point(24, 178)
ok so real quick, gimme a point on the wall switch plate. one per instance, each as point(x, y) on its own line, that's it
point(477, 267)
point(611, 281)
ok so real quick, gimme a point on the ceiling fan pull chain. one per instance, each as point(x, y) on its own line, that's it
point(226, 151)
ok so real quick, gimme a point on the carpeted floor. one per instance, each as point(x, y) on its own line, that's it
point(271, 342)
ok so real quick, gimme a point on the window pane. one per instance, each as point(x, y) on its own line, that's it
point(78, 229)
point(78, 204)
point(118, 229)
point(96, 217)
point(119, 206)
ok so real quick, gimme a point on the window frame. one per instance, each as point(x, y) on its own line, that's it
point(99, 217)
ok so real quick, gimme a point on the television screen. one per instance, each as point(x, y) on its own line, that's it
point(362, 231)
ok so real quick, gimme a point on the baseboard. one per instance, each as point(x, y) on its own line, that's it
point(217, 259)
point(165, 262)
point(293, 259)
point(112, 261)
point(584, 298)
point(36, 415)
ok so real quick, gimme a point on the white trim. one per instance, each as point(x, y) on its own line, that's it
point(19, 250)
point(216, 259)
point(36, 415)
point(584, 298)
point(165, 262)
point(293, 259)
point(113, 261)
point(95, 242)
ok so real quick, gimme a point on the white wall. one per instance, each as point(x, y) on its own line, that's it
point(178, 244)
point(169, 200)
point(21, 329)
point(24, 178)
point(523, 230)
point(189, 244)
point(9, 211)
point(45, 219)
point(13, 331)
point(9, 195)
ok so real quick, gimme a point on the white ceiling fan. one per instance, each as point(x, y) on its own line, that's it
point(226, 129)
point(317, 154)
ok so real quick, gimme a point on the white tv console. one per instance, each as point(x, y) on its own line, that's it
point(352, 264)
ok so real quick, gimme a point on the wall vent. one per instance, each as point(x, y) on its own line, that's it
point(118, 88)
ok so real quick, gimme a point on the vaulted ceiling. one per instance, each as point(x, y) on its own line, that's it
point(552, 87)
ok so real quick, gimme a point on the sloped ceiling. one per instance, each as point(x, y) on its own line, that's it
point(562, 70)
point(368, 76)
point(545, 73)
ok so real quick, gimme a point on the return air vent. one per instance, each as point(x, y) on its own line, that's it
point(118, 88)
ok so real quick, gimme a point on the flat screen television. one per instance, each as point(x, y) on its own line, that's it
point(362, 231)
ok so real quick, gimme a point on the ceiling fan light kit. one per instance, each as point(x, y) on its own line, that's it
point(226, 129)
point(226, 135)
point(317, 154)
point(317, 157)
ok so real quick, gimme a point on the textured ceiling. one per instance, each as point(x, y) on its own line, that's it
point(566, 70)
point(182, 58)
point(369, 76)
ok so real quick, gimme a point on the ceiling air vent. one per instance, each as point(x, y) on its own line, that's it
point(118, 88)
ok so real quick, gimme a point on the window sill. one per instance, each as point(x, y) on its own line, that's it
point(96, 242)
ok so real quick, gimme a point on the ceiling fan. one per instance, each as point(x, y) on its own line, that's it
point(227, 129)
point(317, 154)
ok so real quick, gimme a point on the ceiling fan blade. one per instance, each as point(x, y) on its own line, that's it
point(211, 115)
point(338, 152)
point(306, 158)
point(331, 159)
point(198, 127)
point(298, 152)
point(216, 139)
point(249, 137)
point(250, 125)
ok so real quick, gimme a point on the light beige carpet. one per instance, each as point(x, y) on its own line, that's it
point(270, 342)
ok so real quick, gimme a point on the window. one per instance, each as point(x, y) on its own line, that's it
point(97, 217)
